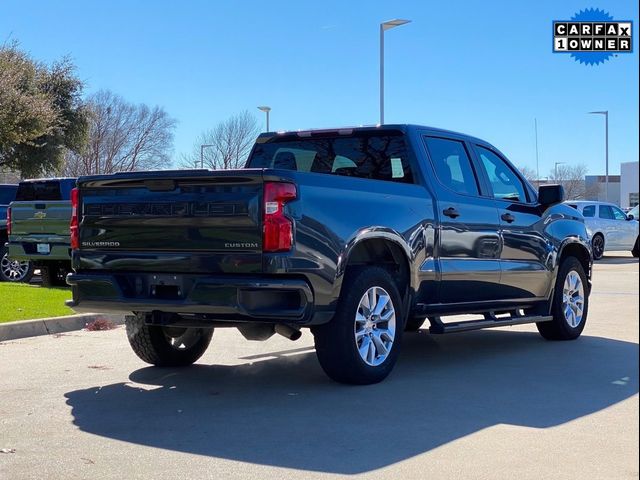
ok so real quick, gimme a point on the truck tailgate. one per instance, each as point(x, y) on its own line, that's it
point(172, 221)
point(41, 218)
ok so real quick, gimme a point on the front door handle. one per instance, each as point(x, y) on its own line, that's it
point(451, 212)
point(507, 217)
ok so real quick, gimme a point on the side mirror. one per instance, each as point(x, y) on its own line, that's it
point(630, 217)
point(549, 195)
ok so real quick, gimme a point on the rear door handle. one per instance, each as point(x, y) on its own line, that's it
point(451, 212)
point(507, 217)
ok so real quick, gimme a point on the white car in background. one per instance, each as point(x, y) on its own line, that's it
point(609, 227)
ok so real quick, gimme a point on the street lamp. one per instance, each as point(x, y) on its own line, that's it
point(266, 110)
point(606, 151)
point(556, 170)
point(384, 26)
point(535, 126)
point(202, 147)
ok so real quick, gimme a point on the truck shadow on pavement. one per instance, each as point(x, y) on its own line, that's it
point(284, 412)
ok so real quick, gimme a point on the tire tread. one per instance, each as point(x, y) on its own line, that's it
point(334, 348)
point(558, 329)
point(149, 344)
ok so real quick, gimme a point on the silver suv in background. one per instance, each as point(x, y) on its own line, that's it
point(609, 228)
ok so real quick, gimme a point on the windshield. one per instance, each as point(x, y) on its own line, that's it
point(373, 155)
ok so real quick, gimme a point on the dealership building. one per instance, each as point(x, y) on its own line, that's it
point(629, 180)
point(596, 188)
point(623, 189)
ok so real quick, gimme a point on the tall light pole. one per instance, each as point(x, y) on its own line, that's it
point(202, 147)
point(266, 110)
point(535, 123)
point(556, 170)
point(384, 26)
point(606, 151)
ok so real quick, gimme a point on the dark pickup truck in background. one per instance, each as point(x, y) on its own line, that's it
point(358, 233)
point(10, 270)
point(39, 219)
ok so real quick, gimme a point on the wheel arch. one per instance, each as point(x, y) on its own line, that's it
point(378, 246)
point(580, 250)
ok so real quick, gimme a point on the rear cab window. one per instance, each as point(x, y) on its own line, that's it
point(45, 190)
point(376, 155)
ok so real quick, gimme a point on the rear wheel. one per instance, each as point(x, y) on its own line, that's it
point(14, 270)
point(361, 344)
point(570, 303)
point(597, 246)
point(53, 276)
point(167, 346)
point(636, 248)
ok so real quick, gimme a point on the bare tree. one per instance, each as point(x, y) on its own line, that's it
point(228, 144)
point(572, 178)
point(592, 192)
point(123, 137)
point(529, 174)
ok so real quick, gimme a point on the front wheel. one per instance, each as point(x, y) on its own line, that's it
point(570, 303)
point(167, 346)
point(361, 344)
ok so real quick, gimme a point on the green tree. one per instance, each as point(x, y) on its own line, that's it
point(42, 115)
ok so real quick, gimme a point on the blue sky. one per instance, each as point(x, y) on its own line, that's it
point(480, 67)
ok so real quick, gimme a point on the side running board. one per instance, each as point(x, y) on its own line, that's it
point(490, 321)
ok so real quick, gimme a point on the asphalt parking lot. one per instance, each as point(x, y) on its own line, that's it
point(485, 405)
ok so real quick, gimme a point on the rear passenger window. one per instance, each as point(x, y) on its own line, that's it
point(589, 211)
point(452, 165)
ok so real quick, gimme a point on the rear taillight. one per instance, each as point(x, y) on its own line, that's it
point(277, 228)
point(9, 221)
point(75, 240)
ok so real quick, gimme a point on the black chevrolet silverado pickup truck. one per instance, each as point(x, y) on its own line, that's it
point(360, 234)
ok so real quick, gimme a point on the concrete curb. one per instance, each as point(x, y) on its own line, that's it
point(48, 326)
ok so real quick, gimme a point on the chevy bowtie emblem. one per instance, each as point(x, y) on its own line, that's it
point(40, 215)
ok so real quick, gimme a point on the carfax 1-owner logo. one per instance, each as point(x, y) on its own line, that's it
point(592, 36)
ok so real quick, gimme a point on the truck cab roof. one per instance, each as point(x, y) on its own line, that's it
point(348, 130)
